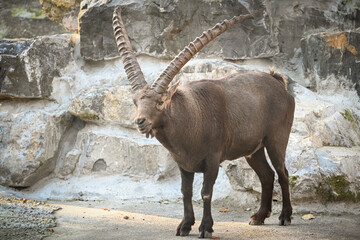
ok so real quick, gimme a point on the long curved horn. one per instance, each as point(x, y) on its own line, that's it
point(161, 83)
point(131, 66)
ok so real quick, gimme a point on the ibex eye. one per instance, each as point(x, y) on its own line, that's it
point(161, 103)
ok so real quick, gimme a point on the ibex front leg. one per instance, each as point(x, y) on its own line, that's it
point(210, 175)
point(184, 227)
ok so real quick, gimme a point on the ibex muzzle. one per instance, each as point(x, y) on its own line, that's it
point(205, 122)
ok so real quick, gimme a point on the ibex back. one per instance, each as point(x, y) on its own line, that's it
point(205, 122)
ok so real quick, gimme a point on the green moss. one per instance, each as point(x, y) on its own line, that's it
point(3, 30)
point(336, 189)
point(293, 181)
point(27, 13)
point(349, 116)
point(87, 115)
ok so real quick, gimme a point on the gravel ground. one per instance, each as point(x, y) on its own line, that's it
point(25, 219)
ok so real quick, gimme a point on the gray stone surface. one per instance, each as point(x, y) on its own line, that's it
point(28, 66)
point(162, 29)
point(29, 142)
point(64, 12)
point(110, 105)
point(25, 19)
point(114, 150)
point(293, 20)
point(326, 54)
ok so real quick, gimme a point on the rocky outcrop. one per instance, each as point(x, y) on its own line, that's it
point(293, 20)
point(28, 66)
point(337, 54)
point(105, 106)
point(167, 27)
point(25, 19)
point(161, 29)
point(29, 141)
point(64, 12)
point(114, 150)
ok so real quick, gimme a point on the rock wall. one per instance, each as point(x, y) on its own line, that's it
point(66, 109)
point(25, 19)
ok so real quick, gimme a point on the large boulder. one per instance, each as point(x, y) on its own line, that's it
point(293, 20)
point(110, 105)
point(163, 28)
point(28, 66)
point(25, 19)
point(332, 54)
point(29, 142)
point(114, 150)
point(323, 144)
point(64, 12)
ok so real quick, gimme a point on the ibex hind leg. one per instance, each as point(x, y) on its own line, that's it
point(276, 149)
point(266, 175)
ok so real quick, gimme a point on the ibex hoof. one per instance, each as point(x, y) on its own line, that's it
point(205, 234)
point(255, 222)
point(285, 218)
point(285, 222)
point(183, 233)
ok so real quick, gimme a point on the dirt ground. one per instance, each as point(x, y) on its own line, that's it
point(158, 220)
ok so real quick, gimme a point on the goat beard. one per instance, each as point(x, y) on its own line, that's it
point(149, 133)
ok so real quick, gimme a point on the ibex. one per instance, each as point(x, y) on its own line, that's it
point(204, 122)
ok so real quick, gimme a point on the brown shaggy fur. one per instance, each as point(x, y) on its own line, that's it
point(278, 76)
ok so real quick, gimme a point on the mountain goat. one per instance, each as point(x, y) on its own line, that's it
point(204, 122)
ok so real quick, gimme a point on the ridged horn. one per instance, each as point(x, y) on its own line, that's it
point(161, 83)
point(131, 66)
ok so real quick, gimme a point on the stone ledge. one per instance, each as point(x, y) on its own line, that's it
point(115, 150)
point(28, 66)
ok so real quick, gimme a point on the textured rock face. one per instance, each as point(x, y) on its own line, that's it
point(64, 12)
point(25, 19)
point(112, 150)
point(105, 105)
point(29, 141)
point(27, 67)
point(162, 29)
point(337, 54)
point(322, 134)
point(292, 20)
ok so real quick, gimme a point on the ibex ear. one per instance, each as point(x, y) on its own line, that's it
point(166, 98)
point(172, 89)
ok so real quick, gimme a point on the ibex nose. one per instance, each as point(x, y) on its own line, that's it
point(139, 121)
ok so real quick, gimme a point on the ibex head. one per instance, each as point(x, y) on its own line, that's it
point(151, 100)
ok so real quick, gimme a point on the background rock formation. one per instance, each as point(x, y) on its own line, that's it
point(66, 109)
point(25, 19)
point(62, 11)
